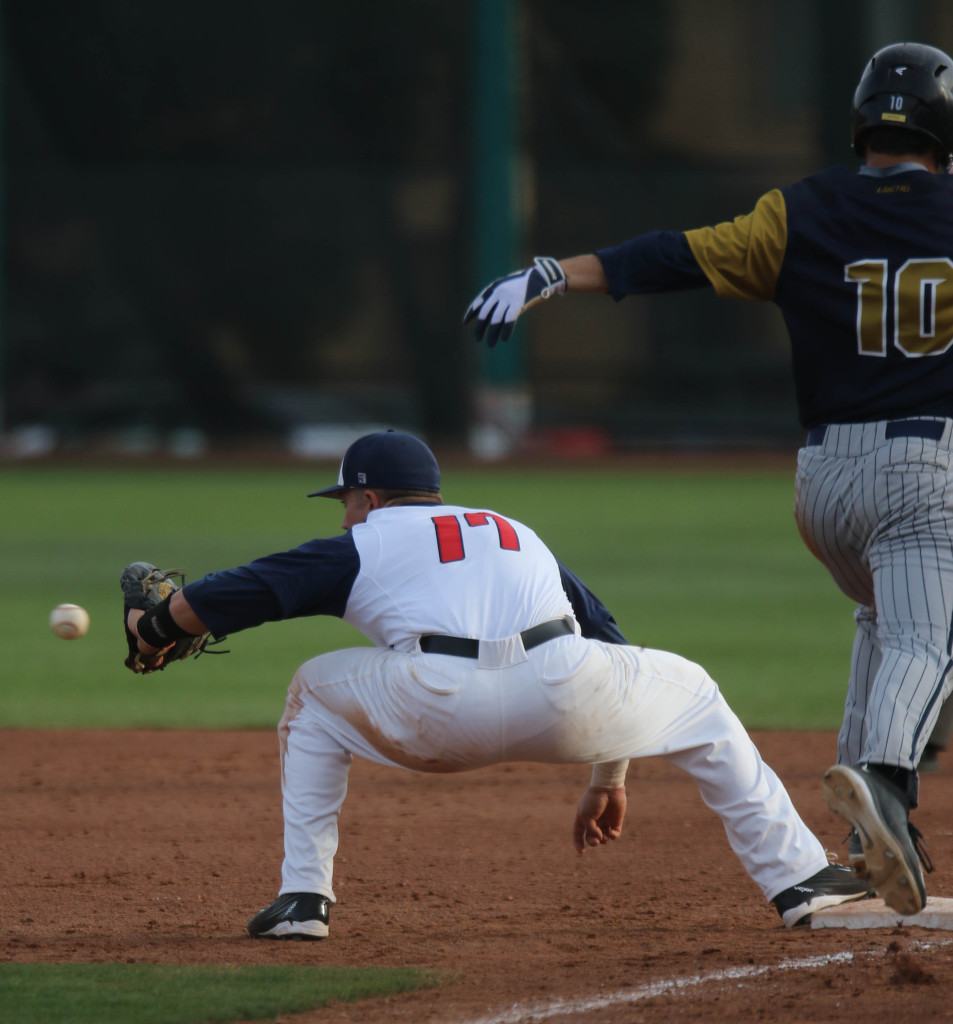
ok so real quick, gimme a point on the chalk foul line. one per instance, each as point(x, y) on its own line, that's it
point(543, 1010)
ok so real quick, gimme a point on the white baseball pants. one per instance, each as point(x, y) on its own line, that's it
point(570, 700)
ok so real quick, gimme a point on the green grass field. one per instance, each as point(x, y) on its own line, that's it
point(706, 564)
point(165, 994)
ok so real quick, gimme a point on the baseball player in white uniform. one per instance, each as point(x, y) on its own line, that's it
point(486, 650)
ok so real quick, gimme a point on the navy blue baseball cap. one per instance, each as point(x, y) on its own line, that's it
point(386, 461)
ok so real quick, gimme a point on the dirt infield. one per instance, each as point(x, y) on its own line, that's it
point(157, 846)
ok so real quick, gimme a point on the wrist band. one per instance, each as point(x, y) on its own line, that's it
point(609, 774)
point(157, 627)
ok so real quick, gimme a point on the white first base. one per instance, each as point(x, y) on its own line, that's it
point(938, 913)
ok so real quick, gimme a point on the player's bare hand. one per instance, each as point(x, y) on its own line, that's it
point(151, 657)
point(598, 817)
point(500, 303)
point(135, 614)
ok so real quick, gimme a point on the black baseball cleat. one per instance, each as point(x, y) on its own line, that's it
point(887, 850)
point(295, 915)
point(830, 887)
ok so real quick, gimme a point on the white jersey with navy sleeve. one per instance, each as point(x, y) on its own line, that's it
point(317, 577)
point(450, 570)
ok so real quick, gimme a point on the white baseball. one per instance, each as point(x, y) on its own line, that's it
point(69, 621)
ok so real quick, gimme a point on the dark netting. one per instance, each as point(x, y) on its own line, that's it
point(264, 212)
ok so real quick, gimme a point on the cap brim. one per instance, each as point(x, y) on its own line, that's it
point(329, 492)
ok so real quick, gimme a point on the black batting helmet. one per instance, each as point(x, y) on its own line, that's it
point(906, 85)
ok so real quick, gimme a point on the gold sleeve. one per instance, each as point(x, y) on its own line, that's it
point(742, 258)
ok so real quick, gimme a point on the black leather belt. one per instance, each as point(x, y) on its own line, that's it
point(464, 647)
point(930, 429)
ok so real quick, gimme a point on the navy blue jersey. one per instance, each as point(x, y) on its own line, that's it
point(861, 267)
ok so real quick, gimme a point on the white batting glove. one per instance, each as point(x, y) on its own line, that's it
point(500, 303)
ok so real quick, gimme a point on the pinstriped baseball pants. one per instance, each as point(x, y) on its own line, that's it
point(877, 510)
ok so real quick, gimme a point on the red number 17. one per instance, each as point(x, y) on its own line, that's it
point(450, 534)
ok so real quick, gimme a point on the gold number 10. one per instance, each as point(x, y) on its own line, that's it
point(922, 308)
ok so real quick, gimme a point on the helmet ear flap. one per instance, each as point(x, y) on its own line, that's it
point(909, 86)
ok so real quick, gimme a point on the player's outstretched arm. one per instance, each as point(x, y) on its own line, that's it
point(598, 817)
point(498, 306)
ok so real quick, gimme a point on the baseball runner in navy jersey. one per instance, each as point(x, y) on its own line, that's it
point(486, 650)
point(861, 267)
